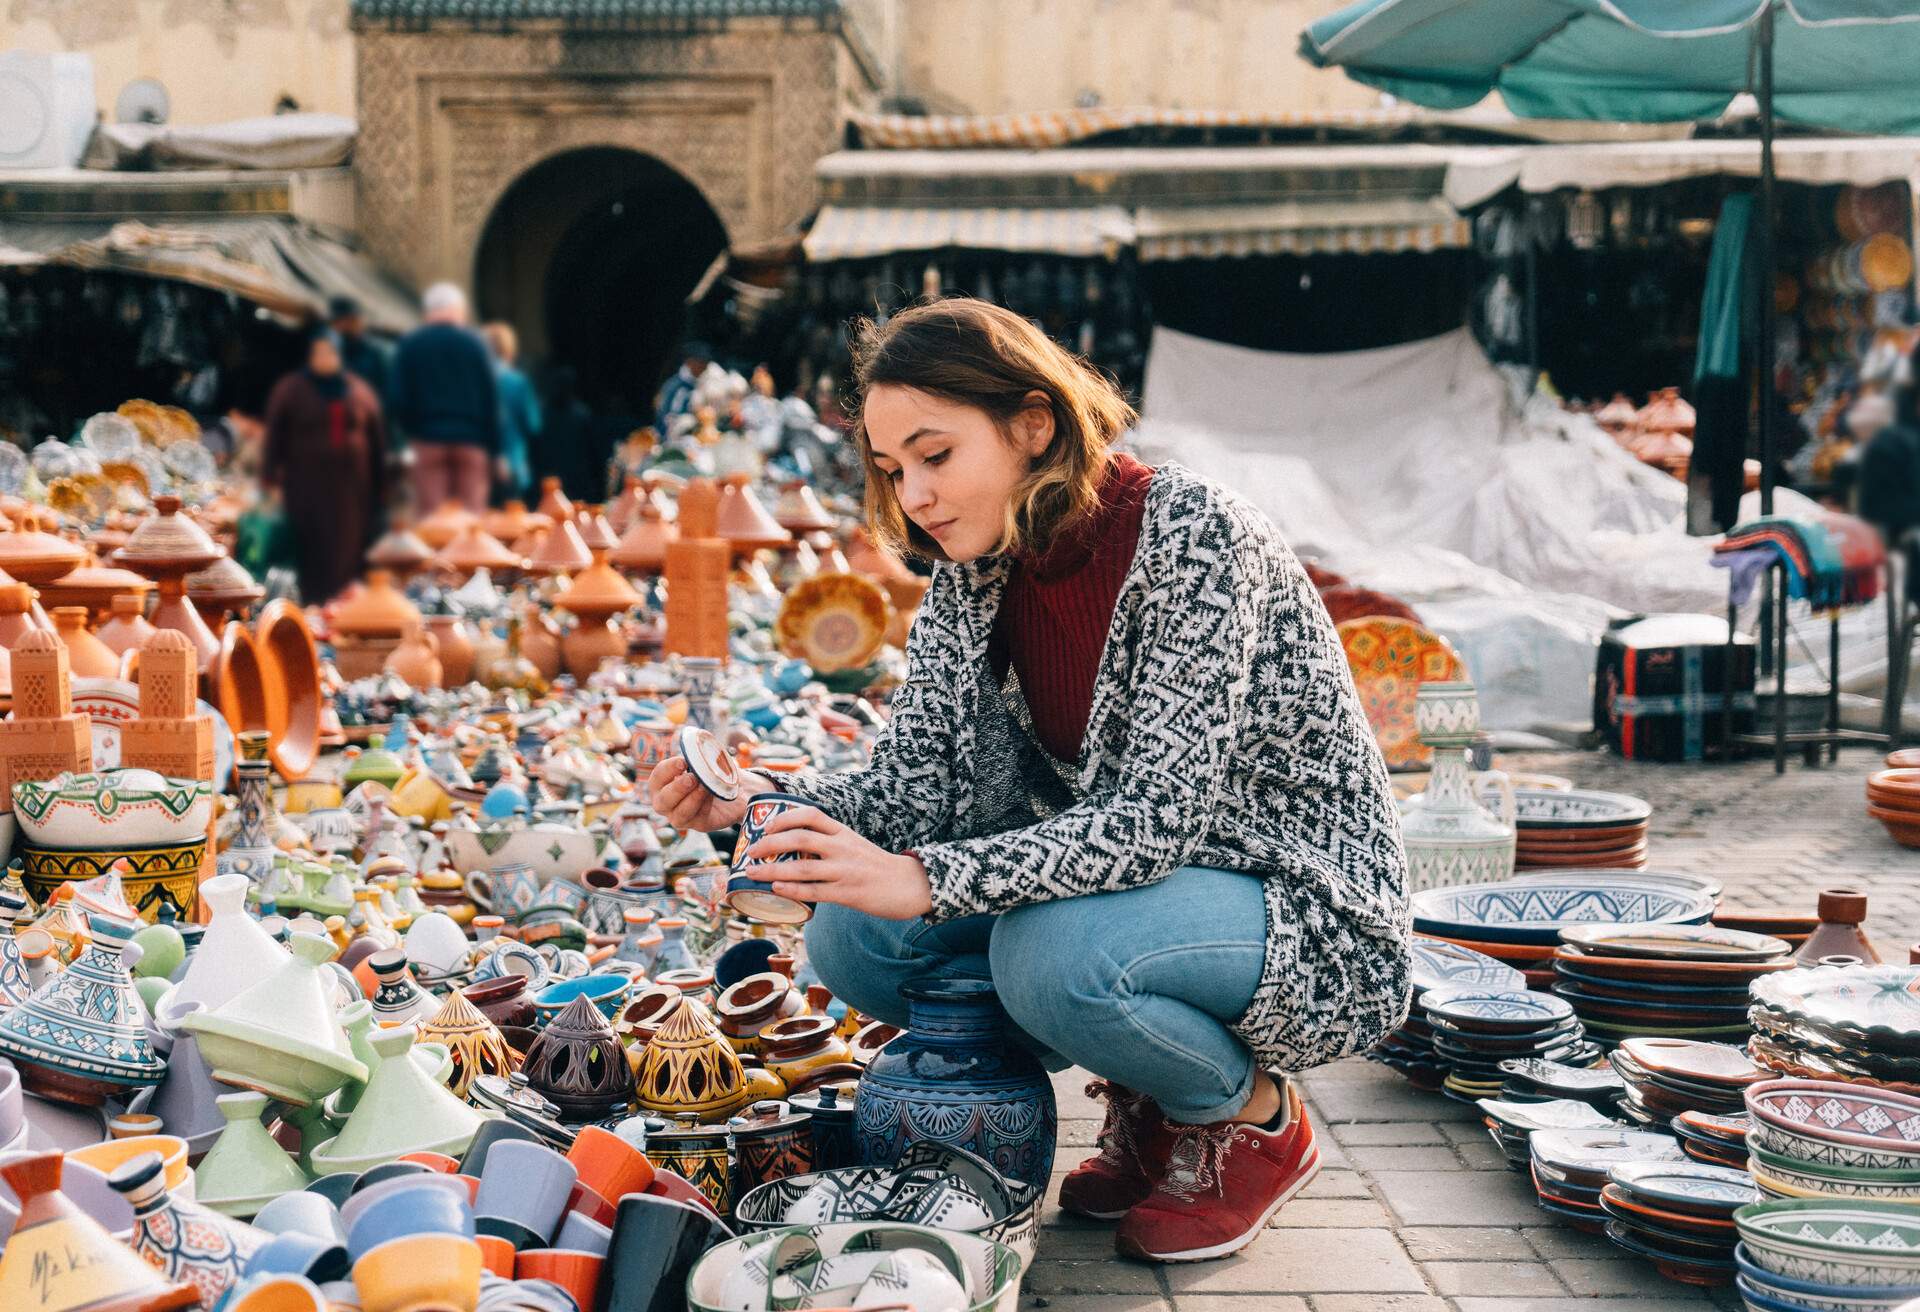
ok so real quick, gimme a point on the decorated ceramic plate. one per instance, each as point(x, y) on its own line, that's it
point(1686, 942)
point(1579, 808)
point(1686, 1186)
point(1390, 659)
point(1570, 1081)
point(110, 703)
point(1593, 1152)
point(1497, 1010)
point(832, 621)
point(1874, 1000)
point(1717, 1064)
point(1841, 1113)
point(1440, 964)
point(1535, 911)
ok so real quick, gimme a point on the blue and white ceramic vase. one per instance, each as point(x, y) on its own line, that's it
point(82, 1036)
point(955, 1078)
point(673, 952)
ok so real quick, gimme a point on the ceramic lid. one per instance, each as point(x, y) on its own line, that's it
point(742, 520)
point(595, 531)
point(712, 764)
point(799, 510)
point(235, 953)
point(169, 538)
point(446, 523)
point(225, 579)
point(559, 551)
point(294, 1000)
point(34, 557)
point(402, 1110)
point(399, 548)
point(377, 608)
point(476, 549)
point(597, 590)
point(513, 521)
point(643, 547)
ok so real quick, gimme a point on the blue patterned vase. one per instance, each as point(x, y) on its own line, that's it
point(953, 1078)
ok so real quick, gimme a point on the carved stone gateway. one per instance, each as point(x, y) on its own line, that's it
point(452, 112)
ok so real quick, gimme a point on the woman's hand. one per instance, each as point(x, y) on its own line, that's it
point(845, 867)
point(679, 795)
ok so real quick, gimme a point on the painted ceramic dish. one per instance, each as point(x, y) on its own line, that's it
point(1534, 912)
point(1590, 1154)
point(1503, 1011)
point(1790, 1295)
point(1877, 1001)
point(1833, 1243)
point(1717, 1065)
point(110, 703)
point(1440, 964)
point(1671, 942)
point(1390, 659)
point(117, 808)
point(1579, 809)
point(1686, 1186)
point(832, 621)
point(1843, 1124)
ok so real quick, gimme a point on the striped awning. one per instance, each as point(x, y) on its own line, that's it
point(1357, 226)
point(1060, 127)
point(851, 232)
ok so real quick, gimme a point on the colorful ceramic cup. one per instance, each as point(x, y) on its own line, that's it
point(577, 1273)
point(418, 1272)
point(302, 1213)
point(752, 897)
point(528, 1184)
point(580, 1233)
point(297, 1254)
point(278, 1294)
point(656, 1241)
point(608, 1164)
point(496, 1255)
point(607, 991)
point(416, 1210)
point(484, 1139)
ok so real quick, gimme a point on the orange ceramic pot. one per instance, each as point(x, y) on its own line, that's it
point(87, 656)
point(238, 680)
point(455, 643)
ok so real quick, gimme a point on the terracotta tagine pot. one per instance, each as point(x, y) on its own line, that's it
point(401, 551)
point(559, 551)
point(553, 502)
point(514, 521)
point(17, 617)
point(95, 587)
point(223, 589)
point(59, 1259)
point(595, 596)
point(623, 509)
point(33, 557)
point(290, 665)
point(417, 659)
point(125, 628)
point(377, 610)
point(453, 640)
point(87, 656)
point(742, 521)
point(595, 531)
point(799, 511)
point(643, 546)
point(540, 643)
point(477, 549)
point(445, 524)
point(166, 548)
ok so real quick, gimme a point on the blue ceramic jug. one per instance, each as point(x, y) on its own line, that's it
point(954, 1078)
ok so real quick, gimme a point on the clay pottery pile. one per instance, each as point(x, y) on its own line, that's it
point(369, 625)
point(445, 524)
point(1893, 798)
point(1679, 981)
point(1579, 829)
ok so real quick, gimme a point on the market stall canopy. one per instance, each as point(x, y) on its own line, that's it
point(855, 232)
point(276, 141)
point(277, 263)
point(1837, 63)
point(1597, 166)
point(1356, 227)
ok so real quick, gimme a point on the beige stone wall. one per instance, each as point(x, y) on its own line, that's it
point(1009, 56)
point(219, 59)
point(449, 118)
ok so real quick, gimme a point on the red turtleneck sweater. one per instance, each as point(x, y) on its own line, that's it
point(1054, 615)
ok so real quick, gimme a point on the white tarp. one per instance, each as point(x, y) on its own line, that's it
point(273, 141)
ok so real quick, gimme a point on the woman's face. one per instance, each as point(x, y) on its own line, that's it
point(953, 469)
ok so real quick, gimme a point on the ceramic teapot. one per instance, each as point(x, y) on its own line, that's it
point(1450, 838)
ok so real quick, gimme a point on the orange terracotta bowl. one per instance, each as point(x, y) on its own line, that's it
point(291, 667)
point(237, 681)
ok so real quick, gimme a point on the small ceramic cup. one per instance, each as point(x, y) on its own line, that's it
point(298, 1254)
point(608, 1164)
point(419, 1271)
point(278, 1294)
point(302, 1212)
point(528, 1184)
point(577, 1273)
point(415, 1209)
point(126, 1125)
point(749, 895)
point(486, 1137)
point(656, 1241)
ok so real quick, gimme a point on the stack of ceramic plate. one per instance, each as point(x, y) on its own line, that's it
point(1570, 1168)
point(1820, 1139)
point(1534, 1079)
point(1666, 1077)
point(1715, 1140)
point(1679, 1216)
point(1840, 1022)
point(1512, 1124)
point(1579, 829)
point(1519, 921)
point(1436, 965)
point(1821, 1254)
point(1787, 926)
point(1893, 798)
point(1475, 1029)
point(1669, 981)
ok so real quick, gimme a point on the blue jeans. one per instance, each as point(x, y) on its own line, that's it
point(1137, 986)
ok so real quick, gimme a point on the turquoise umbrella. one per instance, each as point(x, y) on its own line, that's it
point(1840, 64)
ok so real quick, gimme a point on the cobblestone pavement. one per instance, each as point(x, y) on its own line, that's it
point(1414, 1209)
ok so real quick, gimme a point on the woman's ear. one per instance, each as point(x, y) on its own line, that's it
point(1034, 423)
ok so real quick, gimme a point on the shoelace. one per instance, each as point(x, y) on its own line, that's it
point(1118, 1146)
point(1198, 1161)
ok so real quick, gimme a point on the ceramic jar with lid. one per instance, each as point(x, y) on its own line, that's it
point(577, 1064)
point(804, 1051)
point(770, 1142)
point(829, 1109)
point(1450, 839)
point(1843, 912)
point(698, 1154)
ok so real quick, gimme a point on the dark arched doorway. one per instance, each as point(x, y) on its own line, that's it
point(591, 255)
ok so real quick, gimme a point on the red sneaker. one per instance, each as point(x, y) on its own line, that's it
point(1222, 1184)
point(1134, 1142)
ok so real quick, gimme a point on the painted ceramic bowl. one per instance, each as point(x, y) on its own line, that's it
point(607, 990)
point(1785, 1177)
point(1829, 1124)
point(554, 851)
point(1833, 1242)
point(1535, 911)
point(112, 809)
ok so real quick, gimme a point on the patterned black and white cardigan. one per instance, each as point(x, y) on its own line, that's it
point(1225, 732)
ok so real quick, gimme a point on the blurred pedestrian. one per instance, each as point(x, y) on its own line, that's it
point(1888, 479)
point(572, 447)
point(444, 401)
point(520, 419)
point(360, 353)
point(326, 458)
point(676, 394)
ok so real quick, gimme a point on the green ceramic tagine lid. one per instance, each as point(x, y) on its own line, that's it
point(245, 1169)
point(402, 1110)
point(280, 1036)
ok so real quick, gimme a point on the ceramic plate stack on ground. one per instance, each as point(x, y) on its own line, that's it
point(1533, 1079)
point(1513, 1124)
point(1840, 1023)
point(1790, 927)
point(1519, 921)
point(1579, 830)
point(1475, 1029)
point(1670, 1077)
point(1713, 1139)
point(1800, 1254)
point(1679, 1216)
point(1570, 1168)
point(1664, 981)
point(1437, 965)
point(1822, 1139)
point(1893, 798)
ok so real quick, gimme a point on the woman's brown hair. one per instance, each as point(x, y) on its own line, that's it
point(975, 353)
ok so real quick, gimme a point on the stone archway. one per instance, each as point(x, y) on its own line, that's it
point(590, 254)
